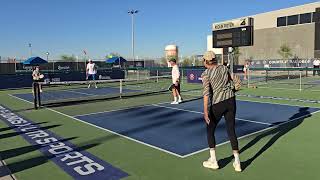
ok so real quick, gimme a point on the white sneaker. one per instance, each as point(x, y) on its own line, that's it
point(210, 164)
point(180, 101)
point(41, 90)
point(237, 167)
point(174, 102)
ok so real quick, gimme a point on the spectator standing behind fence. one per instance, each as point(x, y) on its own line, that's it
point(316, 64)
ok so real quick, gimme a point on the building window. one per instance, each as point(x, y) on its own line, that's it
point(305, 18)
point(293, 20)
point(281, 21)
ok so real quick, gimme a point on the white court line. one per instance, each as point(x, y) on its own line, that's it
point(266, 102)
point(127, 108)
point(114, 110)
point(89, 94)
point(107, 130)
point(163, 150)
point(185, 110)
point(257, 132)
point(304, 89)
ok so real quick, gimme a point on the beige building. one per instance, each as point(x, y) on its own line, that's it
point(297, 27)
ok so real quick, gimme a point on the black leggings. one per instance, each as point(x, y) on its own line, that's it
point(227, 109)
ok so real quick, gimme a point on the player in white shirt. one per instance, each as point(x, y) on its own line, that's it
point(91, 72)
point(175, 87)
point(245, 70)
point(316, 64)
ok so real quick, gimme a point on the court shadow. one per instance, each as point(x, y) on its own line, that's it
point(39, 160)
point(8, 135)
point(26, 149)
point(10, 128)
point(23, 110)
point(276, 133)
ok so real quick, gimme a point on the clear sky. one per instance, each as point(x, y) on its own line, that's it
point(103, 26)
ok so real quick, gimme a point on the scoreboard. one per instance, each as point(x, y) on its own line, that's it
point(235, 33)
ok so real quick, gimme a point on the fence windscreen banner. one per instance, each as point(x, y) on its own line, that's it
point(194, 75)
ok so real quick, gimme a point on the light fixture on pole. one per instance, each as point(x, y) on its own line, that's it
point(47, 53)
point(132, 13)
point(30, 47)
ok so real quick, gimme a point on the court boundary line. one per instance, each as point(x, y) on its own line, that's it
point(240, 99)
point(197, 112)
point(253, 133)
point(127, 108)
point(104, 129)
point(88, 94)
point(163, 150)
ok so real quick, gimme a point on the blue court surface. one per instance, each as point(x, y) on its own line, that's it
point(180, 129)
point(57, 95)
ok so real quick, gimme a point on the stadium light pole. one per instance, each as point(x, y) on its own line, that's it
point(132, 13)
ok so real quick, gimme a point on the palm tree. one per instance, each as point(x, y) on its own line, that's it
point(67, 58)
point(236, 54)
point(285, 51)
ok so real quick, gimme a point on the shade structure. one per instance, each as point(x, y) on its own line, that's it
point(34, 61)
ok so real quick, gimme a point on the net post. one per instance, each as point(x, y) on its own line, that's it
point(120, 88)
point(300, 80)
point(248, 78)
point(34, 87)
point(181, 76)
point(157, 75)
point(138, 75)
point(267, 75)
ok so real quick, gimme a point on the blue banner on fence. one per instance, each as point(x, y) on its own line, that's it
point(25, 80)
point(194, 75)
point(73, 159)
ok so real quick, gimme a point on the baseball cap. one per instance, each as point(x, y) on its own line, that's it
point(209, 56)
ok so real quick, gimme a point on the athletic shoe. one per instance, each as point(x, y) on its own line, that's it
point(210, 164)
point(41, 90)
point(174, 102)
point(180, 101)
point(237, 166)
